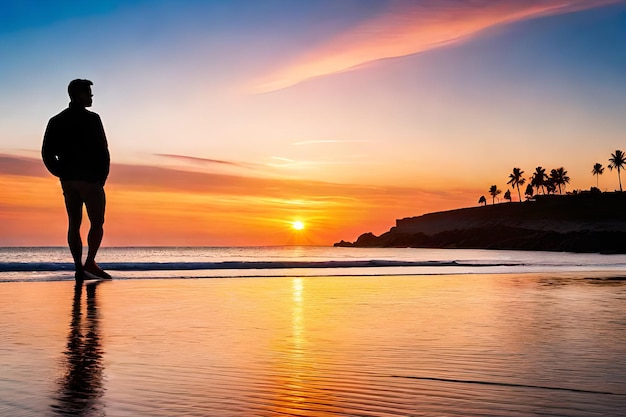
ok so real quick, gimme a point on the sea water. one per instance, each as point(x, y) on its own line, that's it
point(54, 263)
point(300, 331)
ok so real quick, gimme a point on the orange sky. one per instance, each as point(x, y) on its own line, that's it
point(228, 121)
point(161, 206)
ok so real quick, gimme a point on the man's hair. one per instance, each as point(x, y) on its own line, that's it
point(78, 86)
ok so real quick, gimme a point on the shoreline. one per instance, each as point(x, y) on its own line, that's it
point(591, 274)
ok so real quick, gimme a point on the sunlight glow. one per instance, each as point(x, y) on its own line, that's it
point(297, 225)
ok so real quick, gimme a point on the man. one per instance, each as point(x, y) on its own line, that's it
point(75, 149)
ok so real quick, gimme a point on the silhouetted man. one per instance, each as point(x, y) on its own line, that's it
point(75, 149)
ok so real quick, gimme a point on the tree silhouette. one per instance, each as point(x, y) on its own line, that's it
point(539, 179)
point(597, 170)
point(507, 195)
point(493, 191)
point(482, 200)
point(516, 179)
point(559, 178)
point(529, 191)
point(617, 161)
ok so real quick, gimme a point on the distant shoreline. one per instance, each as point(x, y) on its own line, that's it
point(585, 222)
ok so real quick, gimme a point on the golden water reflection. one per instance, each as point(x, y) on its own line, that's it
point(297, 316)
point(481, 345)
point(81, 386)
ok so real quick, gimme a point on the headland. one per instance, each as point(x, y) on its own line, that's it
point(580, 222)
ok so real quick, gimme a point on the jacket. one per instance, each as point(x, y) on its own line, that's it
point(75, 146)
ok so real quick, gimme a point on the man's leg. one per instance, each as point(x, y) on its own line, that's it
point(95, 202)
point(74, 208)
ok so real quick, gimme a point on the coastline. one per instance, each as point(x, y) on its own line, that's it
point(585, 222)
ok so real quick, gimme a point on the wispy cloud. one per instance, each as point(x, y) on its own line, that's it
point(206, 161)
point(281, 163)
point(196, 159)
point(409, 27)
point(155, 178)
point(21, 166)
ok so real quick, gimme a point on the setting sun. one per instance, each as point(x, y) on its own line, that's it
point(297, 225)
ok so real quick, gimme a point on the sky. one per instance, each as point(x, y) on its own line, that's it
point(228, 121)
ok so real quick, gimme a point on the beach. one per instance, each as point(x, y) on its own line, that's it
point(406, 345)
point(384, 208)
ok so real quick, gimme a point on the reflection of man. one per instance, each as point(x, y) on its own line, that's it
point(75, 149)
point(81, 388)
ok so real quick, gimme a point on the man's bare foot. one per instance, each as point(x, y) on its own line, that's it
point(92, 270)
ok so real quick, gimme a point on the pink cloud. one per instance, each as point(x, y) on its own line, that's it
point(163, 179)
point(205, 161)
point(18, 165)
point(409, 27)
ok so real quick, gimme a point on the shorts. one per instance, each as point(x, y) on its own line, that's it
point(77, 193)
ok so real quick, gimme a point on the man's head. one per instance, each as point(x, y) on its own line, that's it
point(80, 92)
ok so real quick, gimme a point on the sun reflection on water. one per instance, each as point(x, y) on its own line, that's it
point(297, 314)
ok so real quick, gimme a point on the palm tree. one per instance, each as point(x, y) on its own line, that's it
point(558, 178)
point(597, 170)
point(617, 161)
point(507, 195)
point(482, 200)
point(516, 179)
point(529, 191)
point(563, 177)
point(493, 191)
point(539, 178)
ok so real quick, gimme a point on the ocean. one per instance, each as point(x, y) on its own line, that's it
point(313, 331)
point(54, 263)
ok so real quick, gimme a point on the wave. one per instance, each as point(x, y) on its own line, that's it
point(236, 265)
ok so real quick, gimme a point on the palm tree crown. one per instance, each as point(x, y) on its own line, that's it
point(597, 170)
point(516, 179)
point(529, 191)
point(539, 178)
point(559, 178)
point(493, 191)
point(617, 161)
point(507, 195)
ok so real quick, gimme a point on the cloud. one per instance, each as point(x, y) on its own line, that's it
point(204, 161)
point(151, 178)
point(21, 166)
point(409, 27)
point(156, 178)
point(142, 178)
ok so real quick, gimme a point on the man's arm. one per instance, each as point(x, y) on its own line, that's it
point(50, 149)
point(105, 159)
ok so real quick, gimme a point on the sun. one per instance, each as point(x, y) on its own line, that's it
point(297, 225)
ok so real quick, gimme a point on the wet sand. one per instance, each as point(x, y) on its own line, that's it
point(479, 345)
